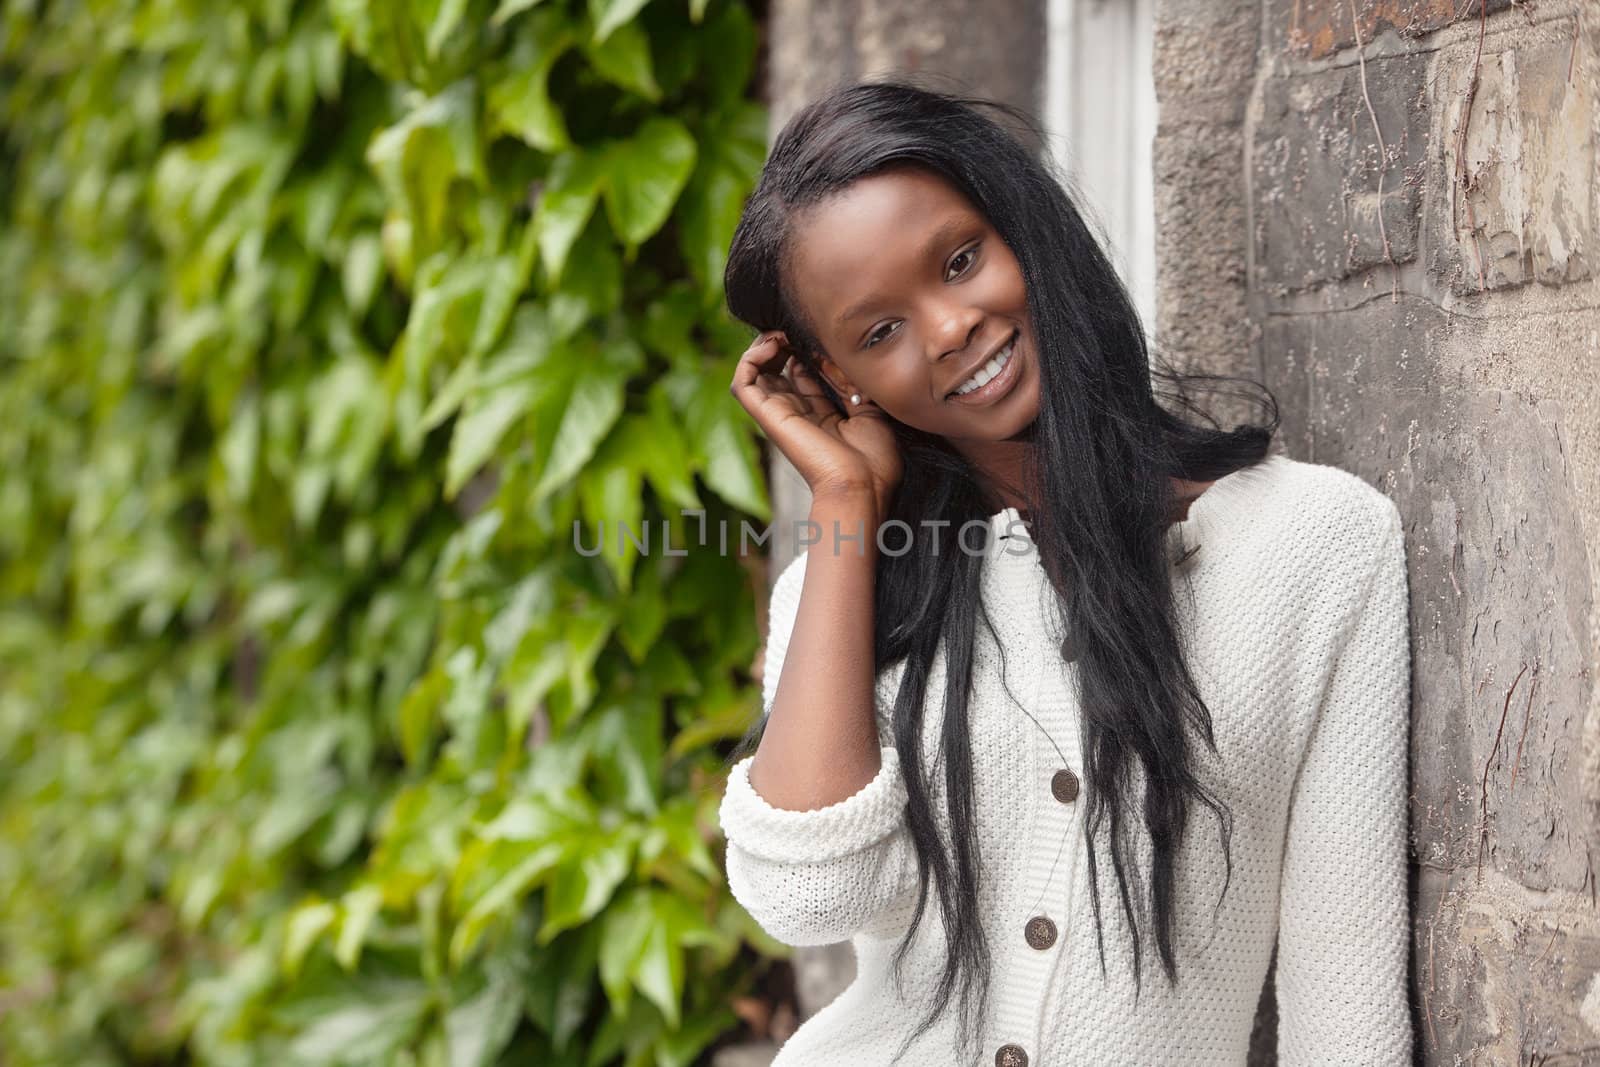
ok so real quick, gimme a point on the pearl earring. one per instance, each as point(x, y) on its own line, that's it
point(855, 398)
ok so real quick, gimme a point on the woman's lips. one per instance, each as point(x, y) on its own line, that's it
point(1000, 384)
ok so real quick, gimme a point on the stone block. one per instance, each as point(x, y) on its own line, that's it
point(1321, 211)
point(1516, 174)
point(1501, 977)
point(1315, 29)
point(817, 44)
point(1499, 578)
point(1513, 636)
point(1201, 249)
point(1205, 58)
point(1351, 385)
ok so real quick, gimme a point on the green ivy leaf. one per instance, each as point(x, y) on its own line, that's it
point(731, 38)
point(357, 909)
point(733, 152)
point(361, 271)
point(503, 282)
point(419, 715)
point(417, 158)
point(482, 425)
point(507, 872)
point(581, 886)
point(509, 9)
point(338, 1019)
point(667, 672)
point(609, 489)
point(646, 932)
point(588, 413)
point(669, 461)
point(586, 634)
point(681, 1047)
point(594, 273)
point(521, 376)
point(521, 102)
point(306, 924)
point(629, 735)
point(532, 840)
point(608, 15)
point(560, 983)
point(720, 435)
point(444, 24)
point(646, 616)
point(382, 33)
point(418, 840)
point(240, 448)
point(623, 59)
point(644, 176)
point(565, 204)
point(675, 835)
point(626, 932)
point(478, 1028)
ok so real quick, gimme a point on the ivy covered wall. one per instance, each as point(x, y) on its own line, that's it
point(323, 324)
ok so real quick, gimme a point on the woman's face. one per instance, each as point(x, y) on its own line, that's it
point(911, 293)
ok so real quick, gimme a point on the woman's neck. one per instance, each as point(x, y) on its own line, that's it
point(1002, 464)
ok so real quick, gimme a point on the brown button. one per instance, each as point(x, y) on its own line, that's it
point(1064, 785)
point(1010, 1056)
point(1040, 932)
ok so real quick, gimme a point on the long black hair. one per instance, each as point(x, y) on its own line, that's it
point(1098, 482)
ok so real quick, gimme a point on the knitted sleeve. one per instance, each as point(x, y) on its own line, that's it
point(1343, 928)
point(815, 877)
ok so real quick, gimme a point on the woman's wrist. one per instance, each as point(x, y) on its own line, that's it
point(837, 499)
point(846, 521)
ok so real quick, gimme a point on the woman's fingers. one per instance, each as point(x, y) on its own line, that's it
point(768, 370)
point(757, 375)
point(809, 385)
point(759, 383)
point(805, 382)
point(754, 360)
point(810, 392)
point(795, 411)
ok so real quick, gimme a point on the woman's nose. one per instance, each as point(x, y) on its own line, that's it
point(956, 330)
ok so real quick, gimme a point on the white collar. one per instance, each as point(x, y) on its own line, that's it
point(1008, 521)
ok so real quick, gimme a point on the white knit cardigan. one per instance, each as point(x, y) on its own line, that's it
point(1294, 614)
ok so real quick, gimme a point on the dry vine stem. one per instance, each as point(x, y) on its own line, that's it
point(1527, 712)
point(1432, 987)
point(1577, 29)
point(1383, 154)
point(1483, 786)
point(1462, 181)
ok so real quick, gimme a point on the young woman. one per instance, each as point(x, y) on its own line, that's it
point(1175, 624)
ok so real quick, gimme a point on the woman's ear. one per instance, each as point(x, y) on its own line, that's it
point(837, 379)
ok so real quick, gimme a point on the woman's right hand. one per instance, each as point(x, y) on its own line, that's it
point(833, 452)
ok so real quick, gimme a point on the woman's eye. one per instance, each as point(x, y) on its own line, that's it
point(971, 254)
point(877, 335)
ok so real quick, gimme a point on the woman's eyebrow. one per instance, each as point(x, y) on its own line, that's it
point(947, 230)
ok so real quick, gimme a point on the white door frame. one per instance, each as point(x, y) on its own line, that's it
point(1100, 118)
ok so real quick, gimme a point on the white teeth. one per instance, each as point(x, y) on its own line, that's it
point(988, 370)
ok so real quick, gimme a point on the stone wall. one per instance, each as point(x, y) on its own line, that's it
point(1393, 203)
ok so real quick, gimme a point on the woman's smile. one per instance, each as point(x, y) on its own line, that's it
point(994, 379)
